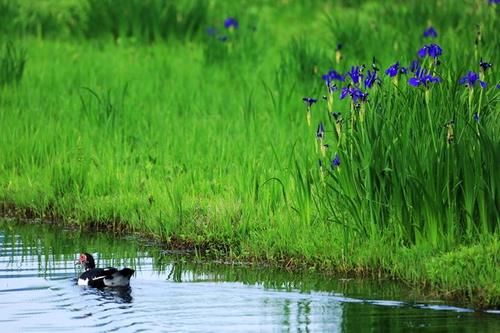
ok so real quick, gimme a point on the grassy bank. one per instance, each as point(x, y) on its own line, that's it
point(204, 137)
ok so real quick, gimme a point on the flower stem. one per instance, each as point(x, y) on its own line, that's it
point(471, 96)
point(427, 102)
point(479, 110)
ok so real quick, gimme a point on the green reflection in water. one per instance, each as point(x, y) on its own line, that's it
point(50, 243)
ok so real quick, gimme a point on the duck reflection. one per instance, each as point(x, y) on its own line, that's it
point(119, 295)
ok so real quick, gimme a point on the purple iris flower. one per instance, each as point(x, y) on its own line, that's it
point(471, 79)
point(355, 93)
point(498, 86)
point(432, 50)
point(345, 91)
point(430, 32)
point(393, 70)
point(414, 66)
point(494, 2)
point(422, 77)
point(331, 76)
point(335, 162)
point(356, 74)
point(371, 79)
point(231, 22)
point(309, 101)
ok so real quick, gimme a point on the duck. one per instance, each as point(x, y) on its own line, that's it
point(102, 277)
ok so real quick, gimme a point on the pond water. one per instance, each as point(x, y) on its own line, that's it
point(171, 292)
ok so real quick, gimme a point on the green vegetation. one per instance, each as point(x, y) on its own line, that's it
point(154, 125)
point(42, 241)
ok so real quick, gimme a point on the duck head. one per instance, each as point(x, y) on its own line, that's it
point(86, 260)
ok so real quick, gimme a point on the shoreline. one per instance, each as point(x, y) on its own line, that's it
point(220, 253)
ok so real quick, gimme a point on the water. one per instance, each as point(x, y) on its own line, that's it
point(175, 293)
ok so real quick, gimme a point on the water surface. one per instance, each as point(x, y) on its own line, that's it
point(178, 293)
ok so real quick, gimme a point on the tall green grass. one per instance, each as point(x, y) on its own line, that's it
point(12, 62)
point(144, 21)
point(400, 172)
point(204, 140)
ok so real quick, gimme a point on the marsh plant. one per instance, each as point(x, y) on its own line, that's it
point(418, 153)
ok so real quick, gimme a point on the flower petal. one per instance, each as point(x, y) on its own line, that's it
point(414, 82)
point(422, 52)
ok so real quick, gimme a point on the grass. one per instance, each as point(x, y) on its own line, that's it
point(203, 141)
point(12, 64)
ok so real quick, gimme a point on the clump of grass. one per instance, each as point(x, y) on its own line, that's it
point(12, 63)
point(468, 263)
point(102, 109)
point(145, 21)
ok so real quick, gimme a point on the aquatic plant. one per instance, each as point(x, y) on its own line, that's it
point(471, 79)
point(423, 78)
point(355, 93)
point(371, 79)
point(309, 101)
point(361, 145)
point(430, 32)
point(335, 162)
point(484, 65)
point(394, 69)
point(431, 50)
point(356, 74)
point(320, 132)
point(330, 79)
point(231, 23)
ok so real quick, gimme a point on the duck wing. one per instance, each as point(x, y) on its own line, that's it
point(95, 277)
point(119, 278)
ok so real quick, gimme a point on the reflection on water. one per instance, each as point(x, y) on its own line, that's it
point(115, 295)
point(175, 293)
